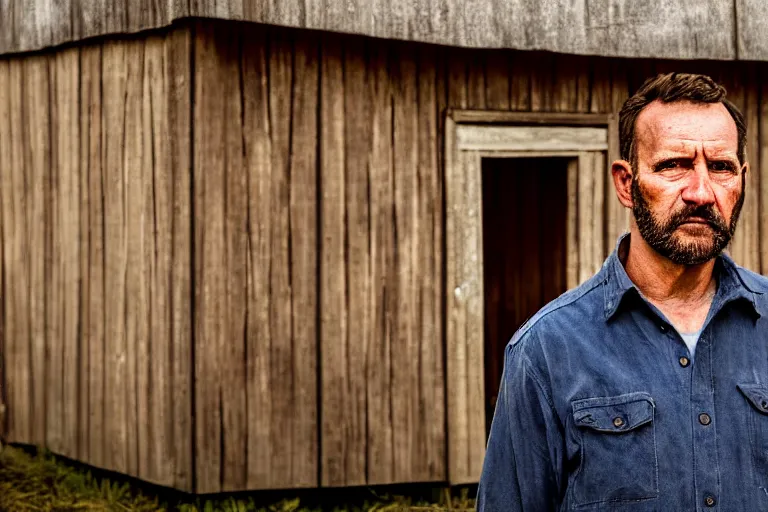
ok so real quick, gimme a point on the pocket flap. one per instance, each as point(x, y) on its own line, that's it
point(756, 394)
point(614, 414)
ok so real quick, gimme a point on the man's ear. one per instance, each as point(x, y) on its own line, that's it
point(622, 180)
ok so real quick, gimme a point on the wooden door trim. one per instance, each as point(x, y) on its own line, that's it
point(464, 295)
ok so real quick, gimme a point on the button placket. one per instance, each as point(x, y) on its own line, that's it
point(705, 452)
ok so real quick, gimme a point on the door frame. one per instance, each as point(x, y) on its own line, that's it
point(594, 219)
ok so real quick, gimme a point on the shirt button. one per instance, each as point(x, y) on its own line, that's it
point(618, 422)
point(662, 328)
point(710, 500)
point(684, 361)
point(704, 419)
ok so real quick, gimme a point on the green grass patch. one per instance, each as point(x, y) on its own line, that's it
point(43, 482)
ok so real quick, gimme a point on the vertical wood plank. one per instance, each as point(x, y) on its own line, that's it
point(83, 366)
point(750, 214)
point(599, 175)
point(586, 201)
point(617, 216)
point(256, 131)
point(583, 86)
point(210, 264)
point(179, 74)
point(91, 117)
point(281, 80)
point(233, 404)
point(5, 353)
point(497, 79)
point(458, 93)
point(600, 97)
point(43, 288)
point(66, 131)
point(466, 436)
point(542, 82)
point(475, 325)
point(333, 273)
point(405, 383)
point(379, 360)
point(456, 386)
point(566, 74)
point(155, 448)
point(476, 80)
point(432, 389)
point(572, 225)
point(520, 81)
point(51, 226)
point(762, 170)
point(114, 84)
point(136, 312)
point(357, 103)
point(304, 240)
point(736, 89)
point(16, 278)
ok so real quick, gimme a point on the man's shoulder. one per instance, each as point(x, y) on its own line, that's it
point(753, 281)
point(580, 304)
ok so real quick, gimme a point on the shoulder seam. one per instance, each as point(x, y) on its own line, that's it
point(578, 293)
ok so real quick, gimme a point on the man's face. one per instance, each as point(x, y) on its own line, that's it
point(688, 185)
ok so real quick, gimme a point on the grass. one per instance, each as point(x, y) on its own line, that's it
point(43, 482)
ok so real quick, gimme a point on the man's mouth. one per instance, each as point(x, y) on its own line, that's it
point(696, 220)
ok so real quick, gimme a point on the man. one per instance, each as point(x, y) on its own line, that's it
point(646, 388)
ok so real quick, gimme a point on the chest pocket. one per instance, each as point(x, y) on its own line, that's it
point(757, 396)
point(618, 449)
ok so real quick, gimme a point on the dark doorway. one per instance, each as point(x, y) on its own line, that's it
point(525, 203)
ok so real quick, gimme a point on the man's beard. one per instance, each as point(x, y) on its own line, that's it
point(660, 234)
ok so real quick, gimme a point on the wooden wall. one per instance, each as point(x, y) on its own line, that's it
point(222, 246)
point(94, 166)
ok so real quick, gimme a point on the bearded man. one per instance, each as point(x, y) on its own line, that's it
point(646, 388)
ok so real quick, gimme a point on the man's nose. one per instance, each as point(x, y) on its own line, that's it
point(698, 189)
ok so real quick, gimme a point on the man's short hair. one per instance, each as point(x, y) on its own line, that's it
point(672, 87)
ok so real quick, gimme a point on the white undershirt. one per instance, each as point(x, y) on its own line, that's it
point(690, 339)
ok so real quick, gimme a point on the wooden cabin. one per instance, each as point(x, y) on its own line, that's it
point(282, 243)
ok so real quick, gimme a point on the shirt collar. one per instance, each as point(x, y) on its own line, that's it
point(734, 282)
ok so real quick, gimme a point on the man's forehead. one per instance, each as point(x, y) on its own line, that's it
point(683, 125)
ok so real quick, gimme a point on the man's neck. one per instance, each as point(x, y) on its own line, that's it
point(683, 293)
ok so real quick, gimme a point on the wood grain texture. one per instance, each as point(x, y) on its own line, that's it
point(590, 27)
point(266, 242)
point(334, 365)
point(91, 169)
point(357, 140)
point(256, 130)
point(304, 240)
point(465, 342)
point(4, 353)
point(379, 450)
point(751, 43)
point(39, 205)
point(531, 138)
point(210, 270)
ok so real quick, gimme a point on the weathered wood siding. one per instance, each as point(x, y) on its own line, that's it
point(247, 223)
point(679, 29)
point(94, 165)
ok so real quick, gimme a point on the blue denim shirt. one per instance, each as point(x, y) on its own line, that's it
point(601, 408)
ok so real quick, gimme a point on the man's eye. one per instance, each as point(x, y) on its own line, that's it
point(721, 166)
point(668, 164)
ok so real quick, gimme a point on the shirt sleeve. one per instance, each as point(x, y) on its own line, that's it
point(523, 465)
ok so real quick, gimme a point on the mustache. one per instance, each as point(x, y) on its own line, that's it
point(706, 212)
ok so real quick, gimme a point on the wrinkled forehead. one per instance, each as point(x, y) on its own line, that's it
point(685, 126)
